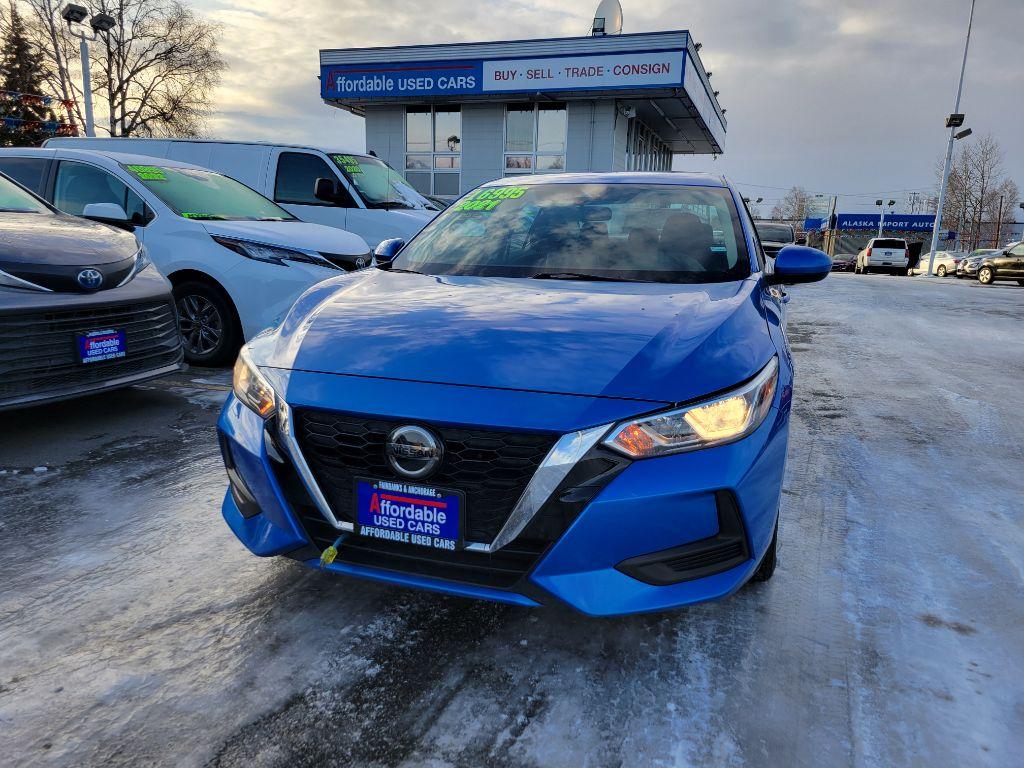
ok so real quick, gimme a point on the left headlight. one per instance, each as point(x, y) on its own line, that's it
point(273, 254)
point(719, 420)
point(251, 386)
point(141, 262)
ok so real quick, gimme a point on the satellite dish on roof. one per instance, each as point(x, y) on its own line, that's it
point(607, 19)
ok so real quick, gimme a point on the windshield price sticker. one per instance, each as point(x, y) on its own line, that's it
point(348, 163)
point(489, 199)
point(148, 172)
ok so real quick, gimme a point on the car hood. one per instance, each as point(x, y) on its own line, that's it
point(58, 240)
point(654, 342)
point(297, 234)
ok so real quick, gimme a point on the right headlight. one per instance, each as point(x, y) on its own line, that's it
point(251, 386)
point(715, 421)
point(273, 254)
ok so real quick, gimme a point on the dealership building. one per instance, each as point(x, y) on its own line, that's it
point(451, 117)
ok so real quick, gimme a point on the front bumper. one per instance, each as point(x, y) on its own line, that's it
point(650, 506)
point(38, 331)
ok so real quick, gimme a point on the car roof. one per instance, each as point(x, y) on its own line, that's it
point(125, 158)
point(622, 177)
point(97, 140)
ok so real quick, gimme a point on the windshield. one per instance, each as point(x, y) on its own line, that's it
point(196, 194)
point(13, 199)
point(661, 233)
point(775, 233)
point(380, 185)
point(981, 253)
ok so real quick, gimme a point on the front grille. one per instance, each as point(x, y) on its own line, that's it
point(491, 467)
point(39, 350)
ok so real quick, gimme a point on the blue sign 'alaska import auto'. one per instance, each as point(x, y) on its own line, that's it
point(569, 388)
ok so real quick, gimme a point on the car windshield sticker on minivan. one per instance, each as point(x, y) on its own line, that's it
point(147, 172)
point(348, 163)
point(489, 199)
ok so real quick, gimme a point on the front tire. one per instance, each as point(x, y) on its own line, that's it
point(941, 271)
point(208, 323)
point(986, 276)
point(766, 569)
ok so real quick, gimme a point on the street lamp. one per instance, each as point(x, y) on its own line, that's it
point(100, 22)
point(881, 216)
point(954, 121)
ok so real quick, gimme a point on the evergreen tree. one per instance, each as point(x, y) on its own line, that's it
point(22, 71)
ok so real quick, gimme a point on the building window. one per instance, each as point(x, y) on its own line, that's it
point(534, 138)
point(645, 151)
point(433, 146)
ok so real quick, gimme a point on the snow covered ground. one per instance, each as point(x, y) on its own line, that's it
point(135, 630)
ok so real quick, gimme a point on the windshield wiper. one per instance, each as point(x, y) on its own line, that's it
point(407, 271)
point(583, 276)
point(206, 217)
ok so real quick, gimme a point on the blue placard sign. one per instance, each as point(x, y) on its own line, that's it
point(660, 69)
point(903, 222)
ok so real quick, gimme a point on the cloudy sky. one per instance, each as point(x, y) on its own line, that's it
point(839, 97)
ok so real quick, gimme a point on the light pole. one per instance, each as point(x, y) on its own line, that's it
point(881, 216)
point(953, 122)
point(100, 22)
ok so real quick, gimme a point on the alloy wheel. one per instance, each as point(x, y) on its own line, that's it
point(985, 276)
point(201, 324)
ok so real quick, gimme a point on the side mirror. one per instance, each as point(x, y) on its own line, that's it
point(386, 251)
point(799, 264)
point(326, 190)
point(108, 213)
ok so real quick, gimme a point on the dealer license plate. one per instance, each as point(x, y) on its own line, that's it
point(409, 513)
point(95, 346)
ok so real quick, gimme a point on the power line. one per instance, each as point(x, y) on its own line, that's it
point(840, 194)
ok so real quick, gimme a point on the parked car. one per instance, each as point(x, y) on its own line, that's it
point(774, 237)
point(1007, 264)
point(843, 262)
point(512, 428)
point(884, 254)
point(82, 309)
point(236, 260)
point(968, 266)
point(946, 263)
point(363, 194)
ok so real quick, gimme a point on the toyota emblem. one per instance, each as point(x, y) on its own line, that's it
point(413, 452)
point(90, 279)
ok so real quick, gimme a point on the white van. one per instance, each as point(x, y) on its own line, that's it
point(365, 195)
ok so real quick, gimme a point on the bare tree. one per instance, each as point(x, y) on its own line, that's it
point(154, 73)
point(977, 184)
point(793, 206)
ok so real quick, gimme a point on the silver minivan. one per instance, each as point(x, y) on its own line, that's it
point(348, 190)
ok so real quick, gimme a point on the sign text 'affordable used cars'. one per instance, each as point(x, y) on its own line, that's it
point(605, 72)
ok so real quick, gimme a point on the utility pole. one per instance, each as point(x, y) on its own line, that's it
point(952, 124)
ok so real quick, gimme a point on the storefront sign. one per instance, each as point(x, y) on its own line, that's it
point(456, 77)
point(904, 222)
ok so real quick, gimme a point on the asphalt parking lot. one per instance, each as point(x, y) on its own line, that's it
point(135, 629)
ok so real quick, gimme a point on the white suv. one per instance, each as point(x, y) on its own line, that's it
point(883, 254)
point(236, 260)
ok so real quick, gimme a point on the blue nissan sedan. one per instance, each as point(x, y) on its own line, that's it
point(568, 388)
